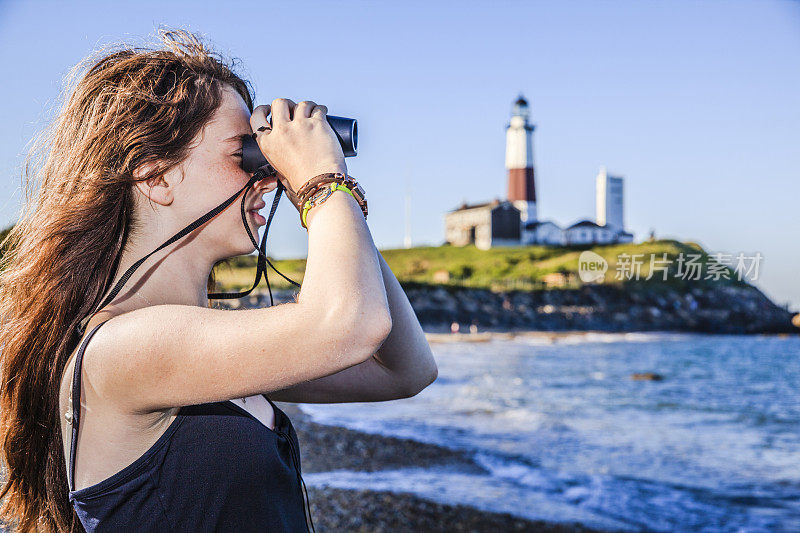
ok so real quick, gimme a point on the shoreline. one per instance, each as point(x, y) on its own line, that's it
point(555, 336)
point(602, 309)
point(325, 448)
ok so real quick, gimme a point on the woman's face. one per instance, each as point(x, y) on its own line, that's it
point(212, 173)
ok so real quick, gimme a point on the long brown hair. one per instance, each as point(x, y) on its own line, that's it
point(124, 108)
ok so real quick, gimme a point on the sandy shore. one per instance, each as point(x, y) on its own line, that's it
point(324, 448)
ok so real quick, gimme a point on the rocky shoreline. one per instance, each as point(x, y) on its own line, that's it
point(732, 309)
point(701, 309)
point(324, 448)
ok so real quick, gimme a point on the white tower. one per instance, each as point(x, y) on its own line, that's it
point(609, 201)
point(519, 162)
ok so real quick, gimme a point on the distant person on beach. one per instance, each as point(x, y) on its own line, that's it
point(166, 420)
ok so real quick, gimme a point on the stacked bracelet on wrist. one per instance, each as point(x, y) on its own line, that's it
point(319, 188)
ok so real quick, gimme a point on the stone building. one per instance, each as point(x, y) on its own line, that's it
point(494, 223)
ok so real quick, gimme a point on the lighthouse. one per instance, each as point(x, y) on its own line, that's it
point(519, 164)
point(515, 221)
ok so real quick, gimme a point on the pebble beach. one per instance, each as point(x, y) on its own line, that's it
point(326, 448)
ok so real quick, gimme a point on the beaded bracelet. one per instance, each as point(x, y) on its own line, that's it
point(312, 202)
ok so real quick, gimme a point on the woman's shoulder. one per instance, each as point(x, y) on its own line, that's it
point(116, 435)
point(95, 328)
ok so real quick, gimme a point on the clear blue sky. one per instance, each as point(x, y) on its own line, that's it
point(696, 104)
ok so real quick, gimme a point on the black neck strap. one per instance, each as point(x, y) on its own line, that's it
point(262, 254)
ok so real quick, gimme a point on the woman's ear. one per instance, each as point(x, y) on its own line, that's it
point(158, 188)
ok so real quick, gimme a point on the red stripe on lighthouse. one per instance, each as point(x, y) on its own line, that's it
point(521, 184)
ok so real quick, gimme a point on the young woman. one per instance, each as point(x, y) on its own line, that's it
point(175, 425)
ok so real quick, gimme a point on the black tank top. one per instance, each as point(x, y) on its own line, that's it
point(216, 468)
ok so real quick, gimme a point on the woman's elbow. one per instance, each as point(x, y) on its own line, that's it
point(431, 378)
point(422, 384)
point(381, 326)
point(371, 327)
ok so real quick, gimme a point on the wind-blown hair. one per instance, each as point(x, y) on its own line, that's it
point(123, 108)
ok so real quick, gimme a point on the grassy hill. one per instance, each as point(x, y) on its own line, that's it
point(498, 269)
point(504, 268)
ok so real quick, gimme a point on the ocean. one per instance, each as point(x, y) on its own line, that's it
point(567, 435)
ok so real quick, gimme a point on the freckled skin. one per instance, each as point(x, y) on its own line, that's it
point(212, 173)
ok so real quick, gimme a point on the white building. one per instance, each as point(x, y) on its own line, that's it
point(587, 232)
point(545, 232)
point(609, 200)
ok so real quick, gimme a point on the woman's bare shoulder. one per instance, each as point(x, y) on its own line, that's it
point(116, 436)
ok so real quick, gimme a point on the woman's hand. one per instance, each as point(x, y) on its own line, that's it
point(300, 144)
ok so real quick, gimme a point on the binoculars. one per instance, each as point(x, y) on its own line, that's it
point(346, 129)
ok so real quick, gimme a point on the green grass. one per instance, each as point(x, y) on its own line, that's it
point(238, 273)
point(521, 267)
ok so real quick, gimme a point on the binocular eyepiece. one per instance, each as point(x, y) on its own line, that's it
point(346, 129)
